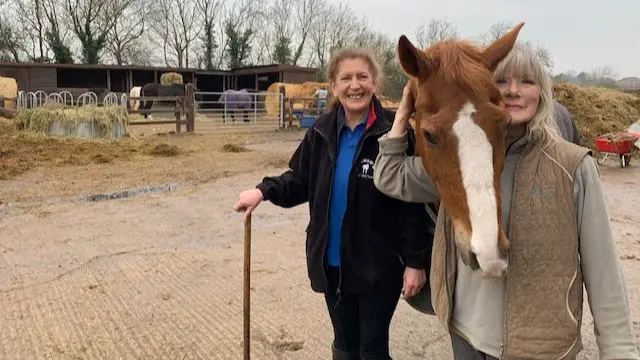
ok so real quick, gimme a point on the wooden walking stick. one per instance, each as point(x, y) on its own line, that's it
point(247, 285)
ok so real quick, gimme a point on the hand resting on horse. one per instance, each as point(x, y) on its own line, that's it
point(405, 109)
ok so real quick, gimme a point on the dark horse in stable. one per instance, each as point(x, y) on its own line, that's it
point(154, 89)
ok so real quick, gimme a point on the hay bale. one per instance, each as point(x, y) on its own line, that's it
point(234, 148)
point(169, 78)
point(388, 103)
point(9, 91)
point(52, 118)
point(164, 150)
point(598, 111)
point(306, 89)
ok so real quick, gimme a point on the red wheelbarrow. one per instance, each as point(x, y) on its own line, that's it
point(619, 144)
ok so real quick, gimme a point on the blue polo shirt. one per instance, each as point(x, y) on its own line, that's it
point(347, 143)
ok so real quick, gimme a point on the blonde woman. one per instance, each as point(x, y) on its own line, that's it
point(486, 318)
point(363, 248)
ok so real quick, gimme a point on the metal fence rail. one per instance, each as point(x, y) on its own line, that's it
point(257, 111)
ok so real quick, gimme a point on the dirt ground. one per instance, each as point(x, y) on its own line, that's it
point(159, 275)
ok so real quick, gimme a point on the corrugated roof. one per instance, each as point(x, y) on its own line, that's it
point(276, 67)
point(244, 70)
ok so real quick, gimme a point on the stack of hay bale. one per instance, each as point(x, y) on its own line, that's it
point(8, 96)
point(304, 90)
point(170, 78)
point(88, 121)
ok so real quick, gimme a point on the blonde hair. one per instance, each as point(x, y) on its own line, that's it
point(338, 55)
point(526, 64)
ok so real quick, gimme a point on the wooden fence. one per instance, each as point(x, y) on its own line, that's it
point(6, 111)
point(184, 106)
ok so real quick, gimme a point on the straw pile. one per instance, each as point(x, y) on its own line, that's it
point(21, 151)
point(169, 78)
point(9, 90)
point(598, 111)
point(304, 90)
point(42, 118)
point(388, 103)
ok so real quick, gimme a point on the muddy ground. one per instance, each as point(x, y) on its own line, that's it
point(159, 275)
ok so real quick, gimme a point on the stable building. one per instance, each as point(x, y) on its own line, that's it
point(79, 78)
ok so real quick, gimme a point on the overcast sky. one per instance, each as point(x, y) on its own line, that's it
point(581, 35)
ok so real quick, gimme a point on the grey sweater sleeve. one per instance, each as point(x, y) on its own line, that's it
point(602, 272)
point(400, 176)
point(567, 126)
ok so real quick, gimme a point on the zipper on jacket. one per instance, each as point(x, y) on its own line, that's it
point(505, 335)
point(326, 240)
point(446, 276)
point(356, 156)
point(353, 162)
point(333, 165)
point(339, 287)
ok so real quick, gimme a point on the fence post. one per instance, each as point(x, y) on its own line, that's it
point(282, 96)
point(178, 113)
point(128, 103)
point(255, 107)
point(190, 103)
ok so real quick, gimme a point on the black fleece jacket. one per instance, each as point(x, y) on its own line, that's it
point(380, 236)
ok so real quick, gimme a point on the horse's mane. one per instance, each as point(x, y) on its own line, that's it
point(461, 62)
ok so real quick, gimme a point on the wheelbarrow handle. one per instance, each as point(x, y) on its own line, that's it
point(247, 286)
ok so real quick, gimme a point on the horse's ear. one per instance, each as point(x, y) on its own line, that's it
point(411, 59)
point(500, 48)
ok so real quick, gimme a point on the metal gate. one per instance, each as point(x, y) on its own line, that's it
point(239, 110)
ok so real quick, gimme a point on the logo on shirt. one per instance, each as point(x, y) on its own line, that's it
point(536, 191)
point(366, 169)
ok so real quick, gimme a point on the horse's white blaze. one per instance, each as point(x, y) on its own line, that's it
point(476, 165)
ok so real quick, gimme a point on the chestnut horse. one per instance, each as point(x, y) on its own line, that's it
point(462, 121)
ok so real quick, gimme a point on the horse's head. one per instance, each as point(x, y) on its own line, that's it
point(460, 124)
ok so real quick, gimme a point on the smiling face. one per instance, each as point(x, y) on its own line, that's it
point(521, 96)
point(354, 85)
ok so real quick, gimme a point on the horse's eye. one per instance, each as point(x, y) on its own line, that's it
point(431, 139)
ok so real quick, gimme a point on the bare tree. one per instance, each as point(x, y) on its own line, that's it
point(127, 29)
point(278, 32)
point(263, 41)
point(43, 29)
point(604, 76)
point(211, 17)
point(543, 54)
point(332, 29)
point(501, 28)
point(286, 31)
point(306, 13)
point(438, 30)
point(604, 73)
point(11, 42)
point(58, 35)
point(240, 29)
point(495, 32)
point(178, 24)
point(92, 21)
point(30, 13)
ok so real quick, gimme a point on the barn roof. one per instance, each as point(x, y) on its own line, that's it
point(239, 71)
